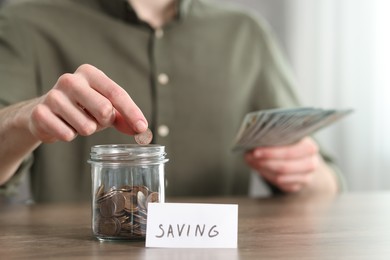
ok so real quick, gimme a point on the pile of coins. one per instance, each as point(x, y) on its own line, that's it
point(122, 212)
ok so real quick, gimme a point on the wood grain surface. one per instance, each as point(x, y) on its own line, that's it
point(348, 226)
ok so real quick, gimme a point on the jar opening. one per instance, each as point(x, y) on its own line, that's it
point(128, 153)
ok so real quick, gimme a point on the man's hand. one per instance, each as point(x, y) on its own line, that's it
point(83, 103)
point(293, 168)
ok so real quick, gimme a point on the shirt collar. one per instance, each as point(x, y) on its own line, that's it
point(123, 10)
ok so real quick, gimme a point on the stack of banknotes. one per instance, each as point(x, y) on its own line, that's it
point(275, 127)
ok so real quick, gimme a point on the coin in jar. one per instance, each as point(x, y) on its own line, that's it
point(119, 200)
point(141, 199)
point(131, 204)
point(144, 138)
point(153, 197)
point(107, 208)
point(109, 226)
point(99, 192)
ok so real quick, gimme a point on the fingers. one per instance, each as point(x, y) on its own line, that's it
point(83, 103)
point(302, 148)
point(48, 127)
point(285, 166)
point(72, 114)
point(131, 115)
point(290, 168)
point(79, 98)
point(288, 183)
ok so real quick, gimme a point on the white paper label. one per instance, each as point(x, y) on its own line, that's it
point(192, 225)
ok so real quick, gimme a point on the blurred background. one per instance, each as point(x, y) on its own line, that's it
point(340, 53)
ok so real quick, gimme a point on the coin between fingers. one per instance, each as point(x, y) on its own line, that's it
point(144, 138)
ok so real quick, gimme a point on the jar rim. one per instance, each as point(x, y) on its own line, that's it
point(142, 154)
point(125, 146)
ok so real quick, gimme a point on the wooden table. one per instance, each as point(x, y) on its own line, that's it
point(349, 226)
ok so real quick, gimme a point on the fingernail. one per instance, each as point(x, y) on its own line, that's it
point(141, 126)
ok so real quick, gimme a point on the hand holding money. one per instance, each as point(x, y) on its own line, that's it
point(290, 168)
point(80, 103)
point(277, 146)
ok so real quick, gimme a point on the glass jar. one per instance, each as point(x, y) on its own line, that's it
point(125, 178)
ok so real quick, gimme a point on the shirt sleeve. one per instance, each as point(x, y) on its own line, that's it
point(11, 187)
point(16, 77)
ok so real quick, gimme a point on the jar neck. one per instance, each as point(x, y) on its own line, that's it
point(129, 153)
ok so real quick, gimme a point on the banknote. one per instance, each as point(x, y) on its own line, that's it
point(283, 126)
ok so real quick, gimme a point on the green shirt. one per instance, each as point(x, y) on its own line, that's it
point(197, 78)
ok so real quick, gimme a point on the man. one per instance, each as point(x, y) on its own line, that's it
point(79, 73)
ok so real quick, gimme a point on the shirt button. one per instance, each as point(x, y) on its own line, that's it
point(163, 79)
point(159, 33)
point(163, 130)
